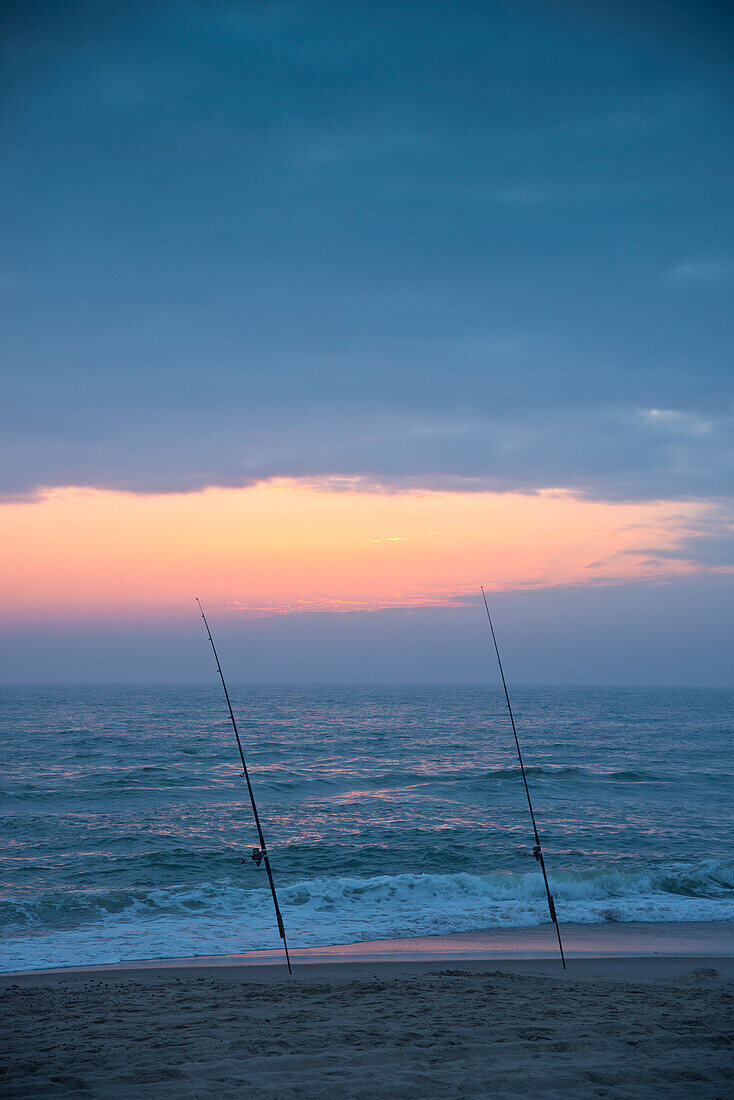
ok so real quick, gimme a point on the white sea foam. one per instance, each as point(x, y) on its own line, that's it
point(221, 917)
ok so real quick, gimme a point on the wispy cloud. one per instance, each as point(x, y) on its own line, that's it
point(702, 272)
point(677, 420)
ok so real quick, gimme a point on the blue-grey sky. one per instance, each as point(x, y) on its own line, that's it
point(432, 240)
point(434, 244)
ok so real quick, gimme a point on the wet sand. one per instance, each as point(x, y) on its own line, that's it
point(658, 1025)
point(682, 938)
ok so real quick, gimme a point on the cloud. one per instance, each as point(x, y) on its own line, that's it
point(703, 272)
point(677, 421)
point(264, 240)
point(704, 545)
point(612, 454)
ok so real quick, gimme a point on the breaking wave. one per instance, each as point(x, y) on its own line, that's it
point(221, 917)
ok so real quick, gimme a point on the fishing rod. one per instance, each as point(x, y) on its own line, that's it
point(259, 855)
point(537, 850)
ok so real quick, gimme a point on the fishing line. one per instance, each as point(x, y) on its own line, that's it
point(537, 850)
point(259, 855)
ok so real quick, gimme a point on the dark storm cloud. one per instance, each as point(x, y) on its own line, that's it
point(393, 241)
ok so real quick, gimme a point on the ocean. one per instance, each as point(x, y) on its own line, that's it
point(388, 812)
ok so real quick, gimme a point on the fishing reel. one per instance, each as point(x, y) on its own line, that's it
point(257, 855)
point(535, 853)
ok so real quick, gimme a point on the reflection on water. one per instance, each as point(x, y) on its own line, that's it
point(388, 811)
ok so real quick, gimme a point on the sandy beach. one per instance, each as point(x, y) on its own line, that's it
point(652, 1025)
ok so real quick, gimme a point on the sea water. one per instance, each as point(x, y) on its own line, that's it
point(388, 812)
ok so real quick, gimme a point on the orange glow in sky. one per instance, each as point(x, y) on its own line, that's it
point(290, 545)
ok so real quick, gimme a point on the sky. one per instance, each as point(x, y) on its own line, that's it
point(328, 313)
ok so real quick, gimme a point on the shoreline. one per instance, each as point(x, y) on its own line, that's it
point(709, 940)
